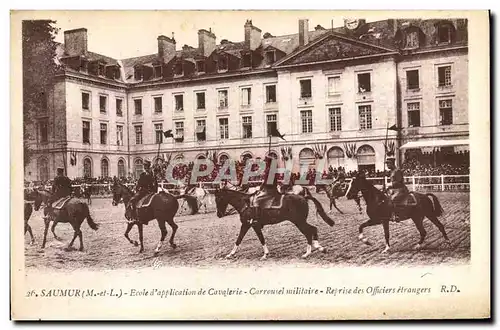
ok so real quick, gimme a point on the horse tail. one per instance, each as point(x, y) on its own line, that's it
point(192, 202)
point(437, 210)
point(320, 209)
point(90, 221)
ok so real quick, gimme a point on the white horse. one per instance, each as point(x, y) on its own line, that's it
point(202, 196)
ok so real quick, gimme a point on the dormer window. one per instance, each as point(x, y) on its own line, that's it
point(178, 69)
point(138, 72)
point(222, 63)
point(117, 73)
point(270, 56)
point(200, 66)
point(102, 70)
point(84, 65)
point(157, 71)
point(412, 39)
point(247, 61)
point(444, 34)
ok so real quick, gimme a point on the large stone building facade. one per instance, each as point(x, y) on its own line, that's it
point(335, 90)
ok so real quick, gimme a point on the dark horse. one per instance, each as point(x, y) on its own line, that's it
point(163, 208)
point(379, 212)
point(74, 212)
point(28, 210)
point(294, 209)
point(334, 194)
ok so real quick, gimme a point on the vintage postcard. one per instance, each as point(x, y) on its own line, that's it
point(250, 165)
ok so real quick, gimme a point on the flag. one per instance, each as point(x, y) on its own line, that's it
point(274, 132)
point(168, 133)
point(395, 128)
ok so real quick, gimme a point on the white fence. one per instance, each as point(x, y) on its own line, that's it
point(431, 183)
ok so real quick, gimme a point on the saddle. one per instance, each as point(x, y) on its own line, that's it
point(61, 202)
point(145, 201)
point(268, 201)
point(410, 200)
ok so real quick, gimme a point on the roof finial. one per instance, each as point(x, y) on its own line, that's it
point(173, 36)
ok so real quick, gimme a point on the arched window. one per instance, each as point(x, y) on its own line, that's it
point(273, 155)
point(201, 157)
point(306, 157)
point(121, 169)
point(366, 158)
point(445, 32)
point(43, 169)
point(87, 168)
point(245, 157)
point(335, 157)
point(104, 168)
point(138, 167)
point(223, 158)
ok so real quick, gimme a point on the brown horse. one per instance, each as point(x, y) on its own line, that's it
point(294, 208)
point(163, 208)
point(334, 193)
point(379, 212)
point(74, 212)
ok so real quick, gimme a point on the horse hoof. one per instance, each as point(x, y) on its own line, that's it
point(174, 246)
point(80, 249)
point(135, 243)
point(322, 249)
point(366, 241)
point(229, 256)
point(386, 250)
point(418, 247)
point(32, 242)
point(264, 257)
point(58, 238)
point(305, 255)
point(141, 250)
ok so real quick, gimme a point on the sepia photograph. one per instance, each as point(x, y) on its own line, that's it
point(225, 157)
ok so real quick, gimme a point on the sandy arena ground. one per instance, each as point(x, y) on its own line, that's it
point(204, 240)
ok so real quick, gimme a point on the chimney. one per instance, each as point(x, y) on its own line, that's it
point(206, 42)
point(252, 35)
point(166, 48)
point(303, 32)
point(75, 42)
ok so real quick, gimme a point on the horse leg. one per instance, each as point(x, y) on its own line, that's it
point(309, 236)
point(243, 231)
point(331, 203)
point(141, 236)
point(315, 241)
point(174, 227)
point(368, 223)
point(27, 228)
point(53, 230)
point(127, 231)
point(385, 224)
point(258, 230)
point(440, 226)
point(335, 205)
point(163, 229)
point(418, 221)
point(358, 201)
point(46, 230)
point(77, 233)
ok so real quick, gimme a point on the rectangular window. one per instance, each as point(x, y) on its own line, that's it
point(85, 101)
point(138, 134)
point(222, 63)
point(335, 119)
point(412, 39)
point(119, 104)
point(444, 76)
point(103, 102)
point(200, 66)
point(119, 135)
point(247, 61)
point(86, 132)
point(413, 114)
point(333, 85)
point(269, 56)
point(305, 88)
point(138, 71)
point(200, 100)
point(178, 69)
point(224, 128)
point(365, 116)
point(364, 83)
point(272, 123)
point(102, 70)
point(104, 134)
point(412, 79)
point(179, 129)
point(157, 71)
point(444, 34)
point(158, 104)
point(44, 131)
point(200, 130)
point(246, 96)
point(247, 127)
point(223, 99)
point(138, 106)
point(307, 121)
point(179, 102)
point(84, 65)
point(446, 112)
point(271, 94)
point(159, 133)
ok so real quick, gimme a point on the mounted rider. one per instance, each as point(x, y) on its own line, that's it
point(146, 184)
point(61, 188)
point(267, 193)
point(339, 180)
point(397, 190)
